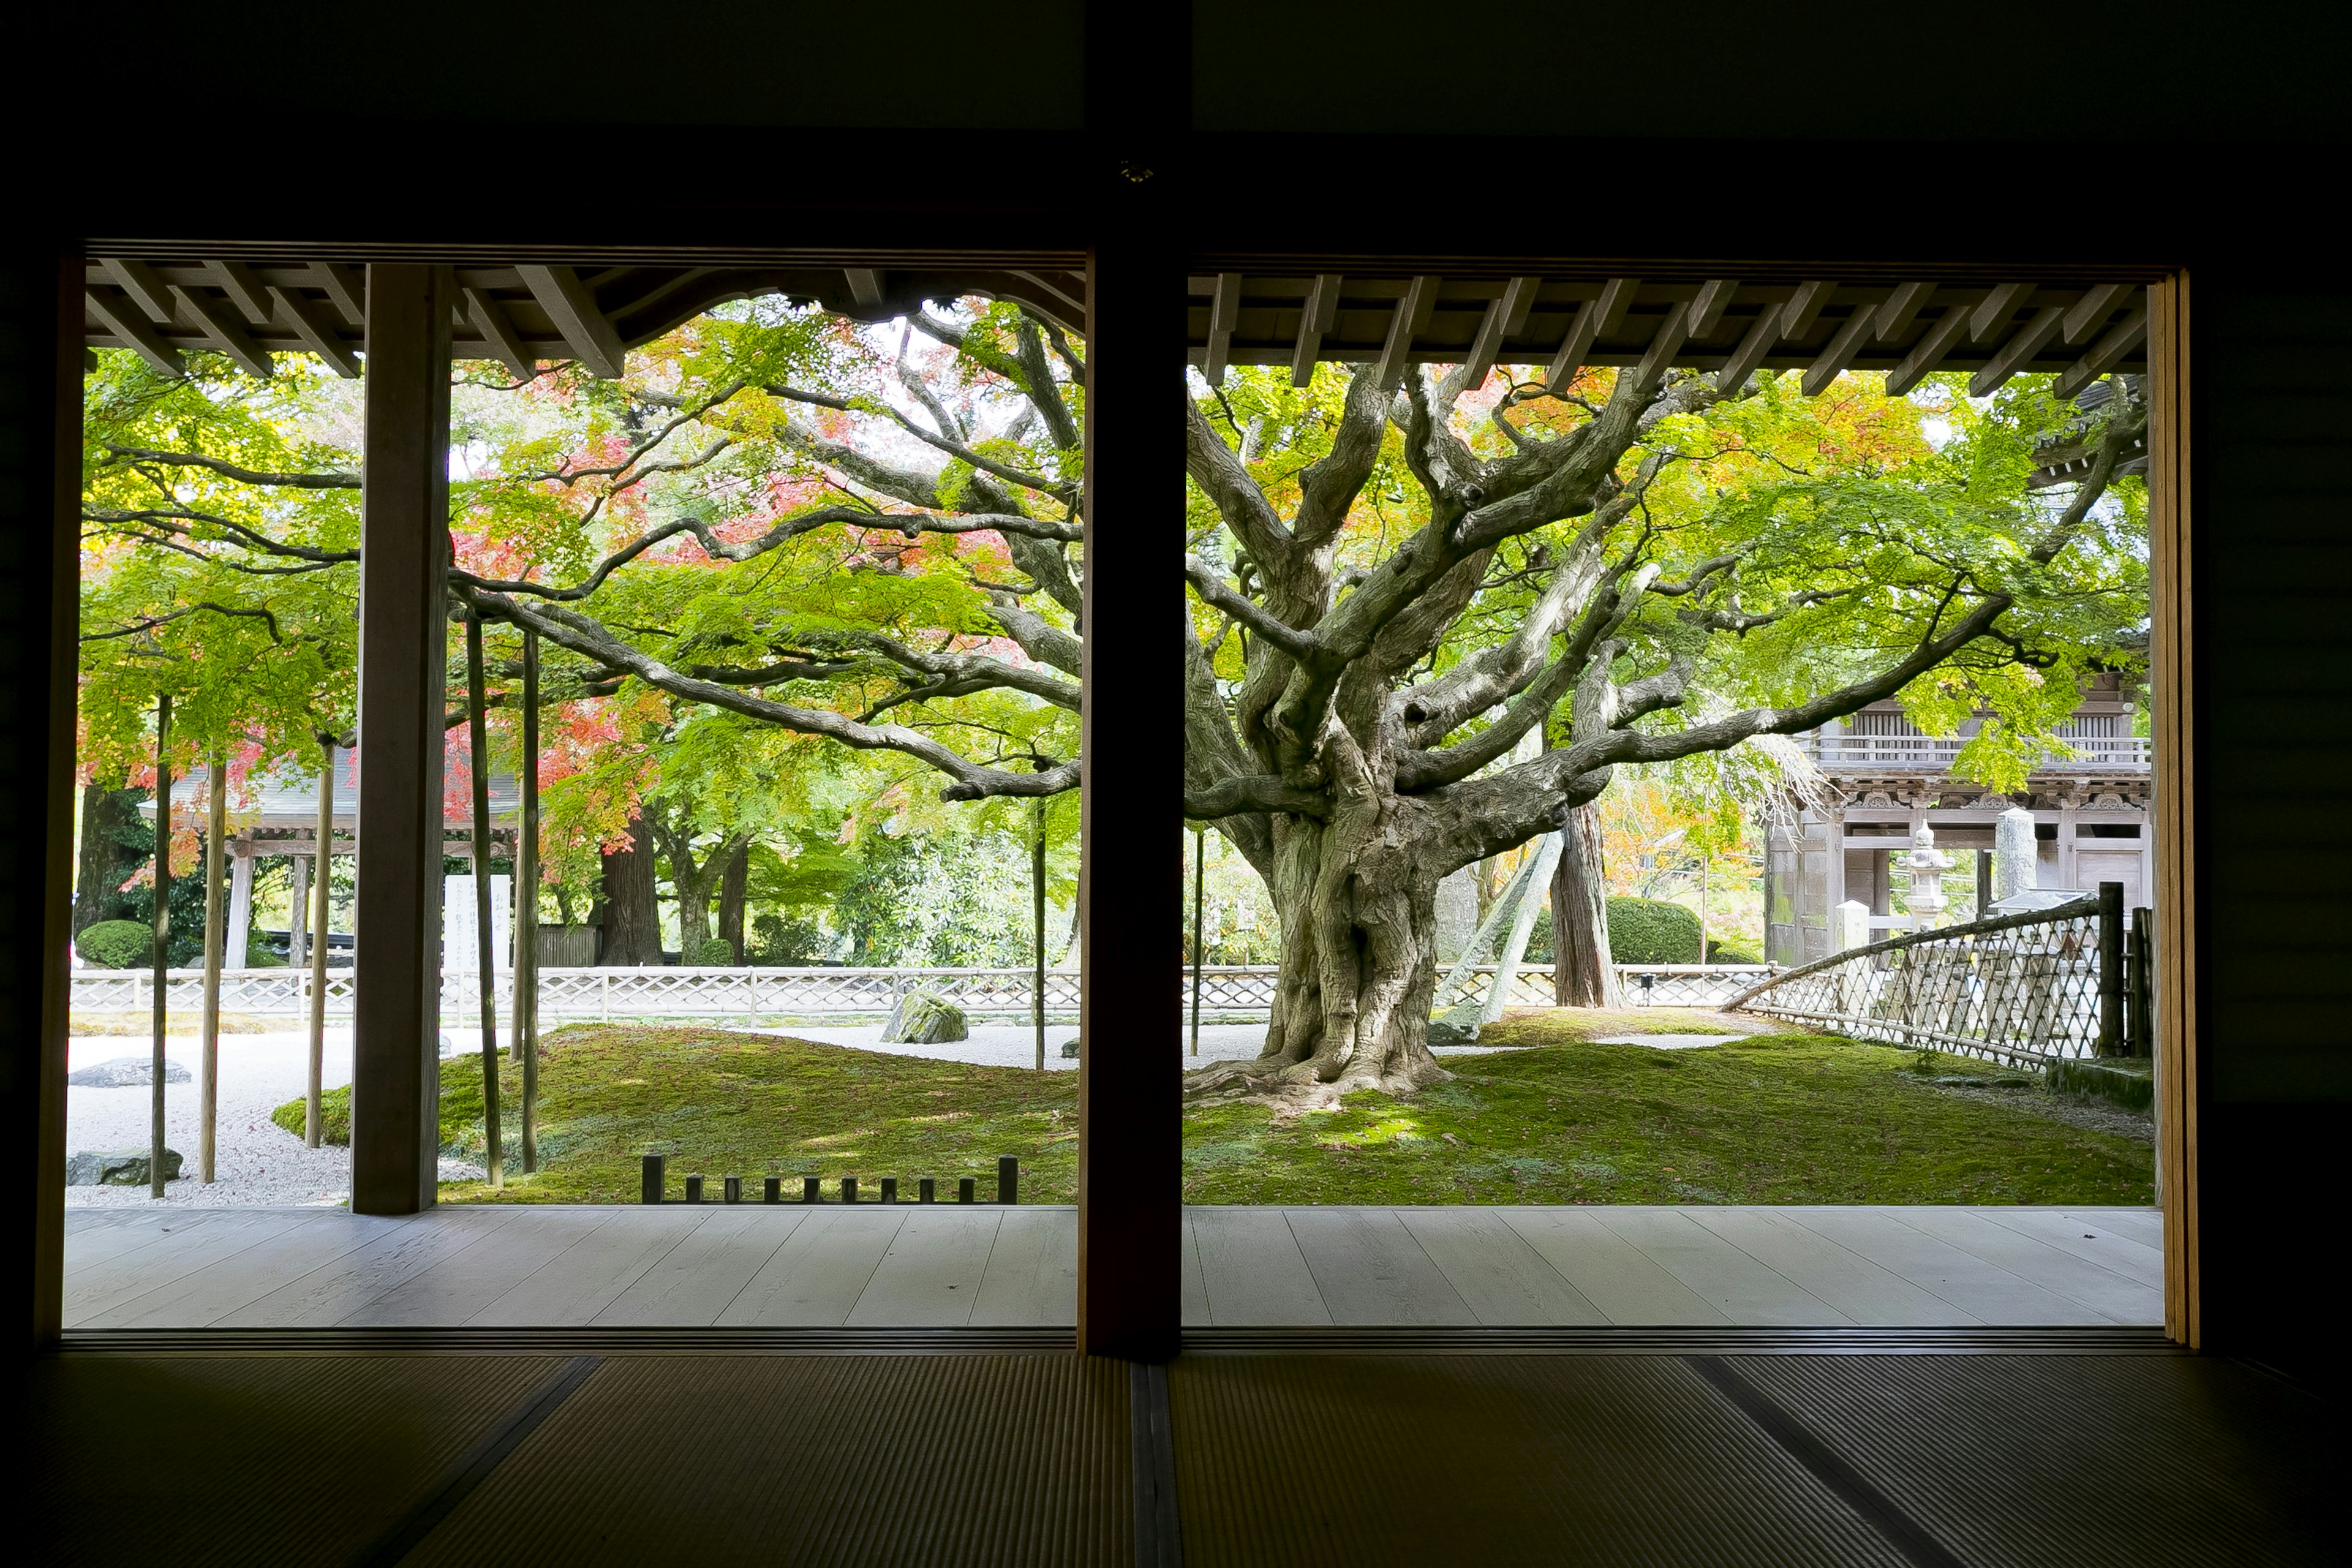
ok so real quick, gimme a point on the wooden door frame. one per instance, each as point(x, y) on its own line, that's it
point(2171, 680)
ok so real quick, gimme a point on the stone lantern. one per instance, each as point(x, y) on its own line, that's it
point(1926, 866)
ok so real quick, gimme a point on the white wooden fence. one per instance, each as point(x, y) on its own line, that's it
point(1229, 993)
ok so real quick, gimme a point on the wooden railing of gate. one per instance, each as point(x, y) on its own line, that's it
point(2034, 988)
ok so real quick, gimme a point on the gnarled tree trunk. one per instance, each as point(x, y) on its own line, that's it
point(1582, 973)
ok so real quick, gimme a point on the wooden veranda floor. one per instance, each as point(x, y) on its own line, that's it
point(949, 1266)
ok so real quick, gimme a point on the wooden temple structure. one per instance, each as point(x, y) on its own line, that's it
point(276, 814)
point(1882, 778)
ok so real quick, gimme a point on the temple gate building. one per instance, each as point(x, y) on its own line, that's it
point(1882, 778)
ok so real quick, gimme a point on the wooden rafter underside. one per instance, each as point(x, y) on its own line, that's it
point(520, 316)
point(1558, 325)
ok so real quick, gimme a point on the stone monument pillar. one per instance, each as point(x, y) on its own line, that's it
point(2013, 854)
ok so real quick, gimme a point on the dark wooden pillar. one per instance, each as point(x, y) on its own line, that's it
point(1130, 1006)
point(40, 508)
point(404, 565)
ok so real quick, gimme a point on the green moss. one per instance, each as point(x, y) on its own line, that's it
point(334, 1114)
point(1775, 1118)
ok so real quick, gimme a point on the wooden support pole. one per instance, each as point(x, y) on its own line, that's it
point(525, 913)
point(298, 904)
point(486, 976)
point(404, 651)
point(161, 928)
point(1130, 1202)
point(240, 908)
point(1199, 866)
point(2111, 969)
point(209, 1087)
point(1037, 904)
point(313, 1124)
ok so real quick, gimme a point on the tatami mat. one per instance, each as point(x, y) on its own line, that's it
point(245, 1459)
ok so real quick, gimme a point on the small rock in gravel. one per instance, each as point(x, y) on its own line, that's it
point(117, 1168)
point(125, 1072)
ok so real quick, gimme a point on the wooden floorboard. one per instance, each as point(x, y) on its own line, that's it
point(569, 1289)
point(1990, 1292)
point(1613, 1274)
point(815, 1277)
point(1253, 1271)
point(912, 1265)
point(169, 1255)
point(700, 1278)
point(1861, 1289)
point(2102, 1290)
point(2143, 1225)
point(929, 1277)
point(2087, 1239)
point(1505, 1281)
point(1195, 1284)
point(452, 1292)
point(329, 1294)
point(1369, 1269)
point(1728, 1279)
point(206, 1294)
point(1032, 1270)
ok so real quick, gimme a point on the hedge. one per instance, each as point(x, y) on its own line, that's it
point(1652, 931)
point(116, 945)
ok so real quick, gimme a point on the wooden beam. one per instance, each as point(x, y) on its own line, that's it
point(2105, 354)
point(132, 327)
point(245, 291)
point(1603, 315)
point(1506, 318)
point(2091, 312)
point(1804, 307)
point(1901, 309)
point(865, 285)
point(1841, 351)
point(1706, 307)
point(310, 323)
point(1928, 353)
point(1224, 310)
point(143, 285)
point(1761, 336)
point(226, 335)
point(2023, 345)
point(1616, 297)
point(1518, 299)
point(403, 648)
point(1991, 317)
point(578, 321)
point(499, 333)
point(1322, 310)
point(1412, 315)
point(346, 288)
point(1672, 332)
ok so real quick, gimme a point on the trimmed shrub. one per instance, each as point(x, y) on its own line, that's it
point(1652, 931)
point(334, 1115)
point(116, 945)
point(1731, 950)
point(715, 954)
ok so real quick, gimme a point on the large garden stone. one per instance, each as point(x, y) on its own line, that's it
point(124, 1072)
point(924, 1019)
point(1456, 1026)
point(117, 1168)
